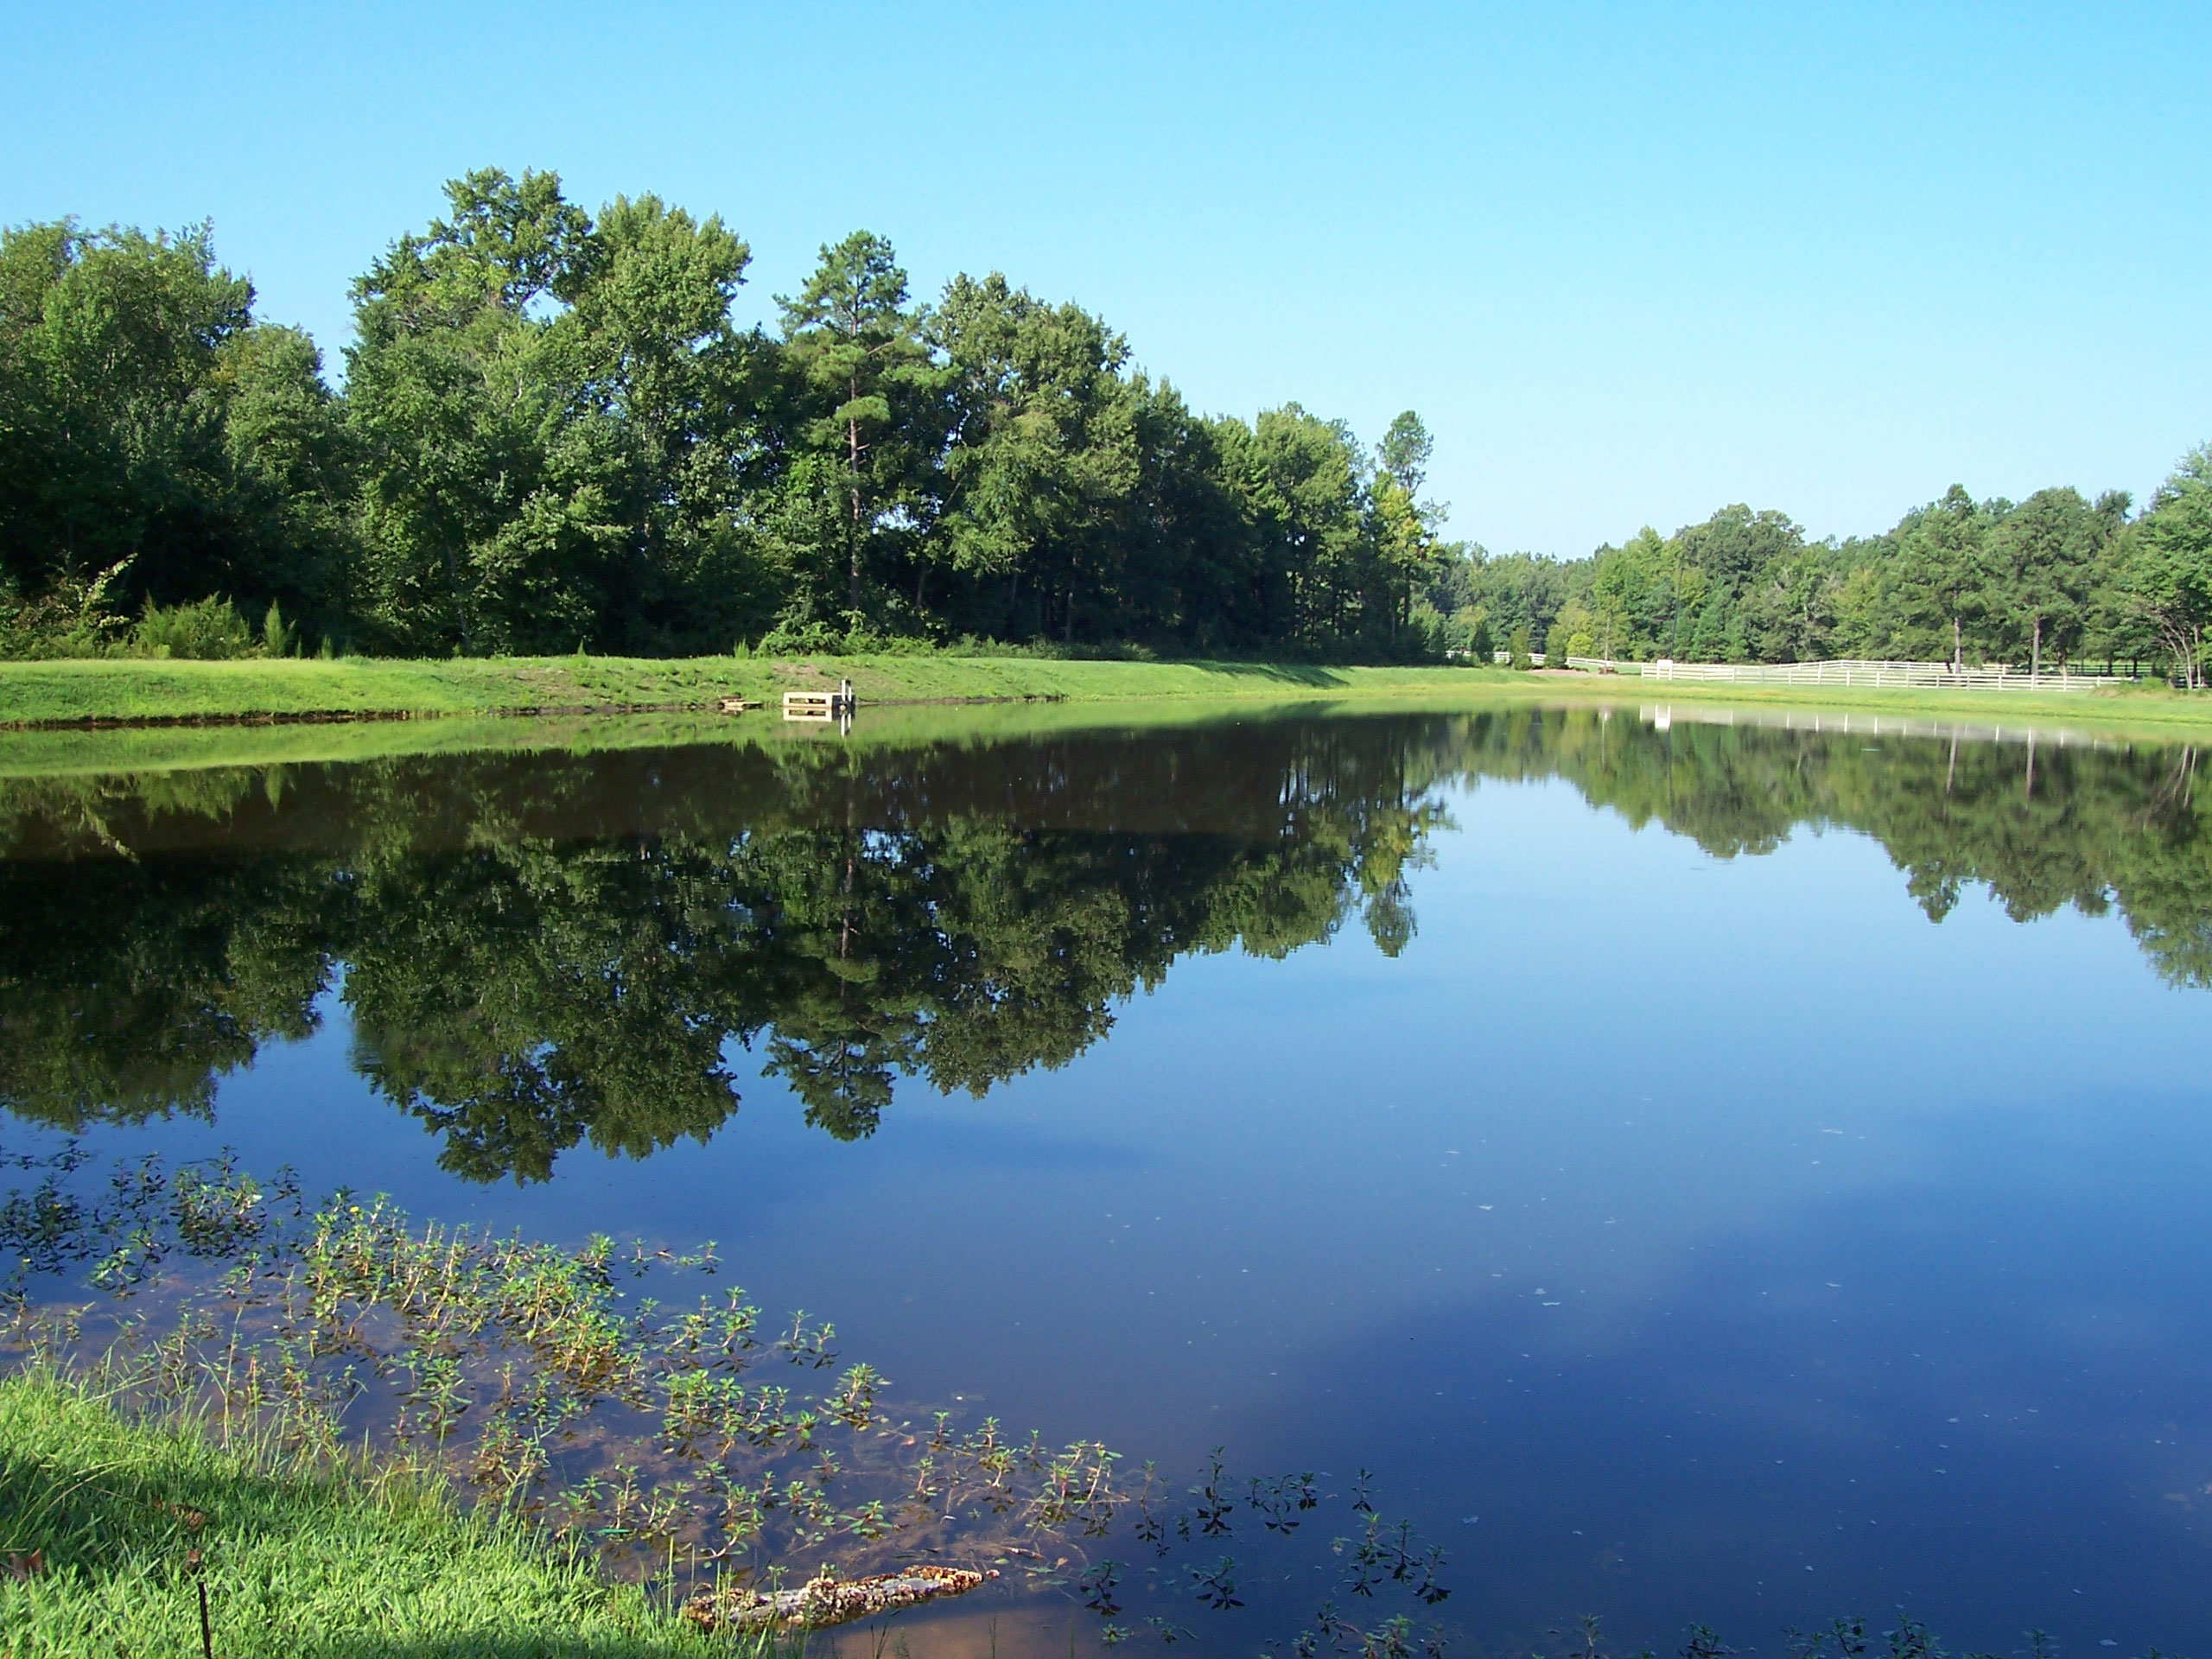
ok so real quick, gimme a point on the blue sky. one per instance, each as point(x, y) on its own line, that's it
point(1630, 262)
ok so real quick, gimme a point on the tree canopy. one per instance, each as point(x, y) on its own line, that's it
point(553, 433)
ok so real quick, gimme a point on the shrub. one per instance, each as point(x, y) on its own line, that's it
point(278, 637)
point(211, 630)
point(72, 619)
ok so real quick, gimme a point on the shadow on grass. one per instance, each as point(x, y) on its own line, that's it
point(1288, 673)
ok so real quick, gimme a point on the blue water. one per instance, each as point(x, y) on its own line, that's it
point(1675, 1236)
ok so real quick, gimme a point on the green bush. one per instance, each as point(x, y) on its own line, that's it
point(71, 618)
point(802, 640)
point(209, 630)
point(817, 638)
point(278, 637)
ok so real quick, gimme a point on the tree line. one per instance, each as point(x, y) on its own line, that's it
point(553, 435)
point(2054, 582)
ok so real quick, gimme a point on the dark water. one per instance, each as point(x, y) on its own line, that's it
point(1706, 1171)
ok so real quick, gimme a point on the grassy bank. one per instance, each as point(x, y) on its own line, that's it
point(135, 692)
point(100, 1516)
point(50, 693)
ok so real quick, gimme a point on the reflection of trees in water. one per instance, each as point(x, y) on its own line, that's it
point(2044, 828)
point(522, 981)
point(542, 952)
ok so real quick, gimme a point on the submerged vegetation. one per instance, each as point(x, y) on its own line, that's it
point(478, 1431)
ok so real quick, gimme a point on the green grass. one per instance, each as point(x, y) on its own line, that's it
point(63, 693)
point(302, 1562)
point(126, 690)
point(2148, 711)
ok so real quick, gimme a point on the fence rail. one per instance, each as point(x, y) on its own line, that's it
point(1853, 672)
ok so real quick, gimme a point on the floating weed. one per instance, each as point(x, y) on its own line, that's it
point(1211, 1512)
point(1215, 1583)
point(1282, 1501)
point(1393, 1554)
point(657, 1432)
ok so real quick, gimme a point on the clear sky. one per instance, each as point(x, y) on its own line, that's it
point(1631, 262)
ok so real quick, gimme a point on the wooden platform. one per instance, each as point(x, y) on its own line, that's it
point(821, 705)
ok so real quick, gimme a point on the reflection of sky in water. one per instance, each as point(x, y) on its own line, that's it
point(1733, 1242)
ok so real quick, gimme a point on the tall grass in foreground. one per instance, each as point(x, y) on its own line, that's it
point(110, 1529)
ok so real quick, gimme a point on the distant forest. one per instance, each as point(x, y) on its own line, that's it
point(553, 436)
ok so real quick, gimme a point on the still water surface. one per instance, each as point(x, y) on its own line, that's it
point(1706, 1171)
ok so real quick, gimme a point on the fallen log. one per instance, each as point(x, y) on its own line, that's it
point(822, 1602)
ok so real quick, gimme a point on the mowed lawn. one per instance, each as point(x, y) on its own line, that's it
point(139, 692)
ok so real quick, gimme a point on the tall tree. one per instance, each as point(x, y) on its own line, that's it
point(489, 485)
point(1300, 481)
point(1941, 566)
point(559, 422)
point(1403, 530)
point(150, 427)
point(685, 390)
point(1045, 450)
point(2168, 571)
point(2043, 564)
point(856, 347)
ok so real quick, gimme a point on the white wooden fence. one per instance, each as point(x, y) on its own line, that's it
point(1853, 672)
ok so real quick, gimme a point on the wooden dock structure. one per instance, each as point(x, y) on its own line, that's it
point(821, 705)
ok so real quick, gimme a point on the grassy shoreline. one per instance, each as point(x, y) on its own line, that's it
point(106, 1519)
point(143, 694)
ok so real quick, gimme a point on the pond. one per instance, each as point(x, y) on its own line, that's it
point(1703, 1169)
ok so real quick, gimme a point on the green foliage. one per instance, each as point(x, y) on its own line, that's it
point(128, 1517)
point(865, 387)
point(2167, 574)
point(278, 637)
point(1044, 449)
point(554, 432)
point(542, 404)
point(153, 430)
point(208, 630)
point(2047, 582)
point(73, 618)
